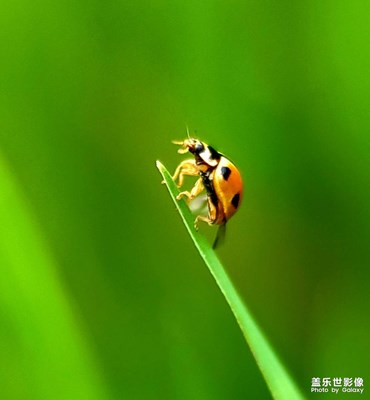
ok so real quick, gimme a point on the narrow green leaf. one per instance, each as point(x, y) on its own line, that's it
point(277, 378)
point(45, 355)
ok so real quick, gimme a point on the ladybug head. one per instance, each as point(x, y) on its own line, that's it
point(195, 146)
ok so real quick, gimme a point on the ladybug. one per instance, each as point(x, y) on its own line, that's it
point(218, 176)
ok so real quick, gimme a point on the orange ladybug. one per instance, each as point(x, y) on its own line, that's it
point(218, 176)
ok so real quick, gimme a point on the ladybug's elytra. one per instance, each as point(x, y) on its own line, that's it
point(217, 175)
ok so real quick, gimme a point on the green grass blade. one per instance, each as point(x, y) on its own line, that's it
point(45, 354)
point(277, 378)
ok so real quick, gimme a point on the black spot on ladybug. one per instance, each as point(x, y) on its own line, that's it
point(235, 200)
point(225, 172)
point(215, 155)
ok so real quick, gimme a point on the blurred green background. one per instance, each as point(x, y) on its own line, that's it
point(103, 295)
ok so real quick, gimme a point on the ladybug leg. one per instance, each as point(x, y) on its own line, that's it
point(186, 167)
point(198, 188)
point(215, 215)
point(202, 218)
point(210, 218)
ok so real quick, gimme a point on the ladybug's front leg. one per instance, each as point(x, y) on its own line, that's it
point(186, 167)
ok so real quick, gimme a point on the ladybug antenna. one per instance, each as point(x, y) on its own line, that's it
point(182, 143)
point(187, 131)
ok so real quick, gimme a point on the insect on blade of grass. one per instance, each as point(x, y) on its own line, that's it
point(280, 383)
